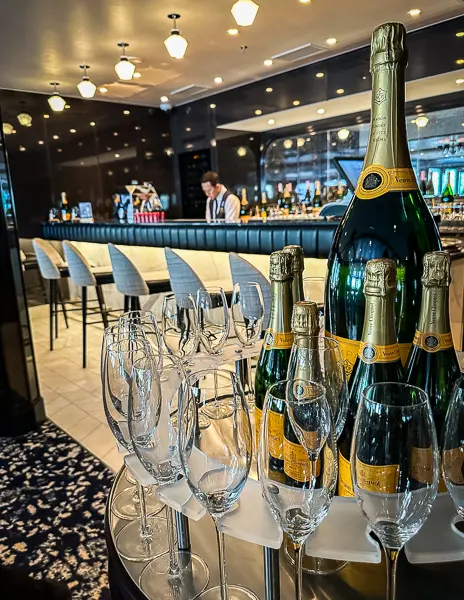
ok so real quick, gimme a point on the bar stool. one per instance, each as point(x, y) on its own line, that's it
point(183, 278)
point(132, 283)
point(83, 275)
point(52, 268)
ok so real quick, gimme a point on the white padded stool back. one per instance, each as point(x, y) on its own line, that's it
point(183, 278)
point(47, 259)
point(79, 269)
point(127, 277)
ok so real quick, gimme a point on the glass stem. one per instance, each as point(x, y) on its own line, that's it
point(298, 570)
point(222, 563)
point(249, 376)
point(174, 569)
point(391, 559)
point(145, 529)
point(216, 401)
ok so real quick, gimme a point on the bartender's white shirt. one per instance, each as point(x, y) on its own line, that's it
point(231, 207)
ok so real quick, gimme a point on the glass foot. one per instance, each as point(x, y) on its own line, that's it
point(236, 592)
point(131, 546)
point(191, 581)
point(126, 504)
point(312, 565)
point(203, 421)
point(217, 411)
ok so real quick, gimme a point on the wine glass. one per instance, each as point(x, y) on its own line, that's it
point(299, 495)
point(143, 538)
point(313, 289)
point(213, 319)
point(147, 321)
point(180, 326)
point(216, 464)
point(154, 434)
point(394, 465)
point(247, 318)
point(453, 449)
point(209, 390)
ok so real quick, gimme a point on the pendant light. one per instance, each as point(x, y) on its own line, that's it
point(244, 12)
point(175, 44)
point(56, 102)
point(25, 119)
point(86, 86)
point(124, 68)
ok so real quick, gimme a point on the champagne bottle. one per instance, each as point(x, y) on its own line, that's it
point(264, 211)
point(275, 353)
point(317, 199)
point(378, 355)
point(448, 194)
point(280, 195)
point(423, 182)
point(65, 215)
point(430, 186)
point(286, 203)
point(244, 203)
point(432, 364)
point(303, 364)
point(307, 199)
point(297, 254)
point(387, 217)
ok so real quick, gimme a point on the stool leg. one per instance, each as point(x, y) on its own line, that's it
point(137, 303)
point(63, 306)
point(55, 303)
point(101, 303)
point(126, 303)
point(50, 302)
point(84, 327)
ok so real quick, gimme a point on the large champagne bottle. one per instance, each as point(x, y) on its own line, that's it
point(275, 353)
point(387, 217)
point(378, 355)
point(432, 364)
point(297, 255)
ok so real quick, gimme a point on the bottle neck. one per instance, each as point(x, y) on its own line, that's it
point(388, 144)
point(434, 311)
point(379, 321)
point(304, 360)
point(281, 306)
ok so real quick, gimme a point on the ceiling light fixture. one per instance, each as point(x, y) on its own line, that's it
point(137, 75)
point(55, 101)
point(92, 123)
point(319, 75)
point(271, 122)
point(288, 144)
point(459, 81)
point(72, 131)
point(117, 155)
point(269, 90)
point(7, 128)
point(46, 116)
point(320, 111)
point(176, 44)
point(343, 134)
point(67, 106)
point(55, 137)
point(40, 142)
point(25, 119)
point(22, 149)
point(124, 68)
point(300, 142)
point(268, 62)
point(414, 12)
point(422, 121)
point(305, 1)
point(164, 99)
point(244, 12)
point(296, 103)
point(218, 80)
point(232, 31)
point(340, 91)
point(103, 90)
point(126, 112)
point(460, 34)
point(460, 61)
point(86, 86)
point(331, 41)
point(212, 106)
point(258, 112)
point(241, 151)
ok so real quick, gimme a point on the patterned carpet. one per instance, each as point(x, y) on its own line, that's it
point(52, 502)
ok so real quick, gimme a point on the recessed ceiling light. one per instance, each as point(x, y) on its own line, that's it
point(115, 133)
point(340, 91)
point(72, 131)
point(46, 116)
point(212, 106)
point(271, 122)
point(103, 90)
point(331, 41)
point(269, 90)
point(305, 1)
point(164, 99)
point(117, 155)
point(296, 103)
point(67, 106)
point(188, 129)
point(319, 75)
point(459, 81)
point(218, 80)
point(40, 142)
point(320, 111)
point(460, 61)
point(55, 137)
point(268, 62)
point(59, 150)
point(232, 31)
point(343, 134)
point(136, 75)
point(126, 112)
point(92, 123)
point(22, 149)
point(258, 112)
point(414, 12)
point(460, 34)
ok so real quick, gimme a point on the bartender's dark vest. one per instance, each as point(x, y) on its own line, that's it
point(221, 213)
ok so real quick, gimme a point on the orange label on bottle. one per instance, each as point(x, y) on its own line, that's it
point(376, 180)
point(453, 465)
point(345, 484)
point(433, 342)
point(372, 353)
point(377, 478)
point(349, 350)
point(405, 349)
point(275, 433)
point(297, 464)
point(277, 340)
point(422, 465)
point(258, 419)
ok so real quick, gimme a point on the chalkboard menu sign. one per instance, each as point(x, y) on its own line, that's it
point(193, 165)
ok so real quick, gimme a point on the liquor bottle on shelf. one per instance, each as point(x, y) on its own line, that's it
point(297, 254)
point(423, 182)
point(378, 357)
point(387, 217)
point(430, 186)
point(317, 198)
point(307, 199)
point(432, 364)
point(264, 208)
point(244, 203)
point(280, 196)
point(447, 195)
point(64, 208)
point(294, 200)
point(273, 359)
point(286, 202)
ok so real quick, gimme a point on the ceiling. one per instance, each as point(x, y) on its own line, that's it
point(48, 40)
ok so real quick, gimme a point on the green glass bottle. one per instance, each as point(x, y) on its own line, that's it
point(432, 364)
point(387, 217)
point(447, 194)
point(297, 254)
point(275, 353)
point(378, 356)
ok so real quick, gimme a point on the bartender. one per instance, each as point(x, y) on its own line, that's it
point(221, 204)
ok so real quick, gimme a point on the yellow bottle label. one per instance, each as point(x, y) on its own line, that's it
point(422, 465)
point(405, 349)
point(376, 180)
point(297, 464)
point(275, 432)
point(277, 340)
point(433, 342)
point(377, 478)
point(345, 485)
point(349, 350)
point(258, 419)
point(374, 353)
point(453, 465)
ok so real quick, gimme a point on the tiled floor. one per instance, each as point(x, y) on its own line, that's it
point(72, 394)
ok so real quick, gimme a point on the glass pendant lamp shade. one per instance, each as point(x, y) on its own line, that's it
point(86, 86)
point(25, 119)
point(56, 102)
point(244, 12)
point(124, 69)
point(176, 44)
point(8, 128)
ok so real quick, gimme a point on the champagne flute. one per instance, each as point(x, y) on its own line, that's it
point(180, 326)
point(147, 321)
point(153, 431)
point(216, 464)
point(213, 319)
point(394, 465)
point(299, 508)
point(453, 450)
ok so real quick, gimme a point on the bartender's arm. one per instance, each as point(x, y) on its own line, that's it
point(232, 209)
point(208, 210)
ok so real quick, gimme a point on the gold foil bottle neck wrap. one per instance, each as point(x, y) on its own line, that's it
point(380, 277)
point(437, 267)
point(280, 268)
point(297, 254)
point(389, 45)
point(305, 318)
